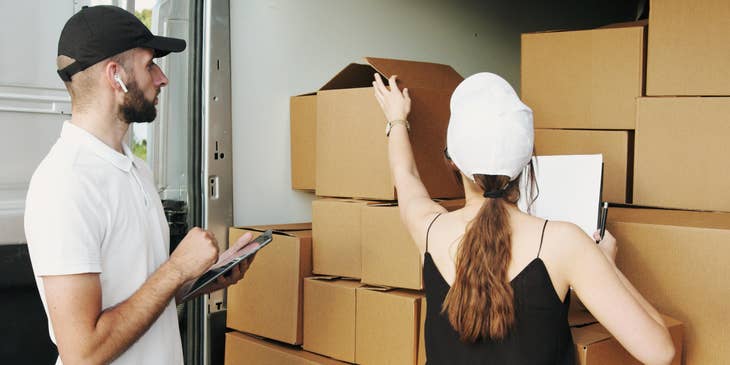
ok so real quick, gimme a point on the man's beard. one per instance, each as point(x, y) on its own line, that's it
point(137, 109)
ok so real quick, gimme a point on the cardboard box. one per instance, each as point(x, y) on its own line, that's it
point(617, 148)
point(387, 327)
point(336, 237)
point(352, 151)
point(596, 346)
point(688, 50)
point(268, 301)
point(244, 349)
point(681, 157)
point(303, 126)
point(389, 255)
point(586, 79)
point(678, 261)
point(422, 334)
point(330, 307)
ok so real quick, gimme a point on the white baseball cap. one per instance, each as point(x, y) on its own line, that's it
point(490, 131)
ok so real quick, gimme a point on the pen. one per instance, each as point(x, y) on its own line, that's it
point(602, 220)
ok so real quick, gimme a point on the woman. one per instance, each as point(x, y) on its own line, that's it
point(497, 279)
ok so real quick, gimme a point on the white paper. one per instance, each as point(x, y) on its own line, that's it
point(570, 189)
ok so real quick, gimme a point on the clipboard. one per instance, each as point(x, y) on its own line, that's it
point(211, 275)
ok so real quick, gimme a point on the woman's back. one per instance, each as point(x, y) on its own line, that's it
point(540, 334)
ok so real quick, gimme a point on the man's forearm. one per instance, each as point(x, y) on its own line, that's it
point(118, 327)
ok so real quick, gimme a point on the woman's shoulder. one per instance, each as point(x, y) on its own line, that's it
point(565, 239)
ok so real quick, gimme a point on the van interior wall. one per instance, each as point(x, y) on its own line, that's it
point(281, 48)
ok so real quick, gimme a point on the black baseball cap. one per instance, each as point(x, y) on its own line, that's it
point(98, 32)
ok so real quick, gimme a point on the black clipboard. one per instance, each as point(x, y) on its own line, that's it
point(211, 275)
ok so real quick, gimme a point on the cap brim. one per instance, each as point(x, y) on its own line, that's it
point(164, 45)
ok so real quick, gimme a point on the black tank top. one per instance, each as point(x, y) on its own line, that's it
point(540, 336)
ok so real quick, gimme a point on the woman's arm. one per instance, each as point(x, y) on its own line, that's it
point(416, 206)
point(615, 303)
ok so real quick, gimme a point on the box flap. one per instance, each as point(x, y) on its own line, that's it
point(377, 288)
point(291, 230)
point(411, 74)
point(414, 74)
point(580, 318)
point(353, 76)
point(323, 278)
point(587, 335)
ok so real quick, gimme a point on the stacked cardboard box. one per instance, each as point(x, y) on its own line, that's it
point(672, 256)
point(594, 345)
point(675, 256)
point(582, 87)
point(678, 261)
point(364, 306)
point(268, 303)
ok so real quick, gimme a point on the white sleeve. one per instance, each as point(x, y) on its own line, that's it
point(64, 227)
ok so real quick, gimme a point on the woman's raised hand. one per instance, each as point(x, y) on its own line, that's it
point(395, 104)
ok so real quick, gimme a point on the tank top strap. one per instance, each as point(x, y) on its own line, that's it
point(541, 238)
point(429, 229)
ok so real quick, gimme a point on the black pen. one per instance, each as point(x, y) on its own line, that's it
point(602, 220)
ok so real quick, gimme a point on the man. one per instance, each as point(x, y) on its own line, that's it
point(95, 227)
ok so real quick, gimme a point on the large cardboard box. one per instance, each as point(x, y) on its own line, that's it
point(678, 261)
point(242, 349)
point(389, 255)
point(268, 301)
point(617, 148)
point(596, 346)
point(330, 308)
point(336, 237)
point(681, 157)
point(586, 79)
point(303, 129)
point(387, 327)
point(352, 151)
point(688, 50)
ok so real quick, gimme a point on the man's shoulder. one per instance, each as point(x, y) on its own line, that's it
point(65, 169)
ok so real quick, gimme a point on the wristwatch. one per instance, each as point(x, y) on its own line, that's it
point(391, 123)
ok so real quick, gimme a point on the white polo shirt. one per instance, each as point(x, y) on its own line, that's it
point(91, 209)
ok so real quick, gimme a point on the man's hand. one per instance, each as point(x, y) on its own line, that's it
point(233, 276)
point(195, 254)
point(88, 334)
point(237, 272)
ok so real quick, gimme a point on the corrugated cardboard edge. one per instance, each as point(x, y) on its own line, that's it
point(638, 23)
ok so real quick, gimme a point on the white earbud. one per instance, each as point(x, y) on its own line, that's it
point(120, 82)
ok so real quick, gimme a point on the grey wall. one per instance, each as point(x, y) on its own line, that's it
point(281, 48)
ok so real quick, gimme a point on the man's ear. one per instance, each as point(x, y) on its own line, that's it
point(114, 75)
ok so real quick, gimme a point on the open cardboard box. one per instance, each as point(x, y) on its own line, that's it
point(352, 151)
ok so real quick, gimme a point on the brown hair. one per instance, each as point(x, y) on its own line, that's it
point(480, 303)
point(81, 88)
